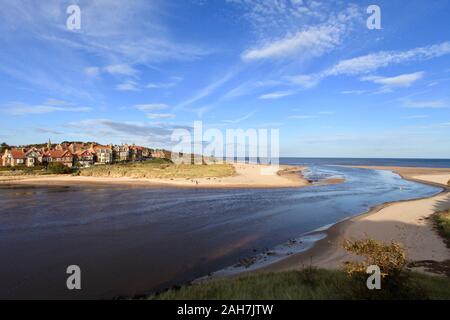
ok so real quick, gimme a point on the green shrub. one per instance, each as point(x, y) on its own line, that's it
point(59, 168)
point(395, 277)
point(442, 222)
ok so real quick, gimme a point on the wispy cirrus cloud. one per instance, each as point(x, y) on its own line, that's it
point(173, 81)
point(151, 106)
point(431, 104)
point(21, 109)
point(302, 117)
point(312, 41)
point(276, 95)
point(375, 61)
point(128, 85)
point(121, 69)
point(403, 80)
point(241, 119)
point(161, 116)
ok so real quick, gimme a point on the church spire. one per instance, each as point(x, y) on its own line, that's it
point(49, 144)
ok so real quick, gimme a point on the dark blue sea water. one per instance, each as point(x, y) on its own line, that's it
point(425, 163)
point(128, 240)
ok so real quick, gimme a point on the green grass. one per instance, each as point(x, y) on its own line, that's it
point(159, 168)
point(309, 284)
point(442, 221)
point(22, 171)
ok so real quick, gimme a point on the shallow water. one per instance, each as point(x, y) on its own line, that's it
point(131, 240)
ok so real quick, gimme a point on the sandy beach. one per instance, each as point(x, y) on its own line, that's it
point(406, 222)
point(247, 176)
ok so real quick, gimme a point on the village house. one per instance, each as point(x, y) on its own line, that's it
point(13, 158)
point(104, 154)
point(78, 154)
point(33, 157)
point(84, 158)
point(57, 156)
point(158, 154)
point(121, 153)
point(136, 153)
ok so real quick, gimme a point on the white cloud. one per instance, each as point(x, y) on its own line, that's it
point(353, 91)
point(92, 71)
point(238, 120)
point(403, 80)
point(374, 61)
point(432, 104)
point(151, 106)
point(302, 117)
point(313, 41)
point(128, 85)
point(208, 90)
point(276, 95)
point(306, 81)
point(121, 69)
point(161, 116)
point(164, 85)
point(19, 108)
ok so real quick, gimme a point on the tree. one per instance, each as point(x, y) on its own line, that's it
point(3, 147)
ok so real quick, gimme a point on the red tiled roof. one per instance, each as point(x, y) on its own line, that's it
point(17, 154)
point(83, 153)
point(58, 154)
point(98, 147)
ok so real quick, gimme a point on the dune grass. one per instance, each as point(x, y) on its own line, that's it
point(442, 221)
point(307, 284)
point(159, 169)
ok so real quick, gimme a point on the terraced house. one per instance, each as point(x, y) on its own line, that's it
point(77, 154)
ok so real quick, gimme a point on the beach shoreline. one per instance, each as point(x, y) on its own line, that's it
point(247, 176)
point(390, 220)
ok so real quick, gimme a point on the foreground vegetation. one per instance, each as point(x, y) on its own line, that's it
point(52, 168)
point(159, 168)
point(308, 284)
point(442, 221)
point(396, 280)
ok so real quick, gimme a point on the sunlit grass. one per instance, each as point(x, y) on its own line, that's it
point(159, 170)
point(308, 284)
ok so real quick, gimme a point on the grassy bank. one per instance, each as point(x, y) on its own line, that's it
point(442, 221)
point(308, 284)
point(159, 169)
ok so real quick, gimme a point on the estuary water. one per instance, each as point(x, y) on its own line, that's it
point(133, 240)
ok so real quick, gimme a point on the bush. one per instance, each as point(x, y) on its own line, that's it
point(395, 277)
point(59, 168)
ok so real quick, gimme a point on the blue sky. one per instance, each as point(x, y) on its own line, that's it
point(138, 69)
